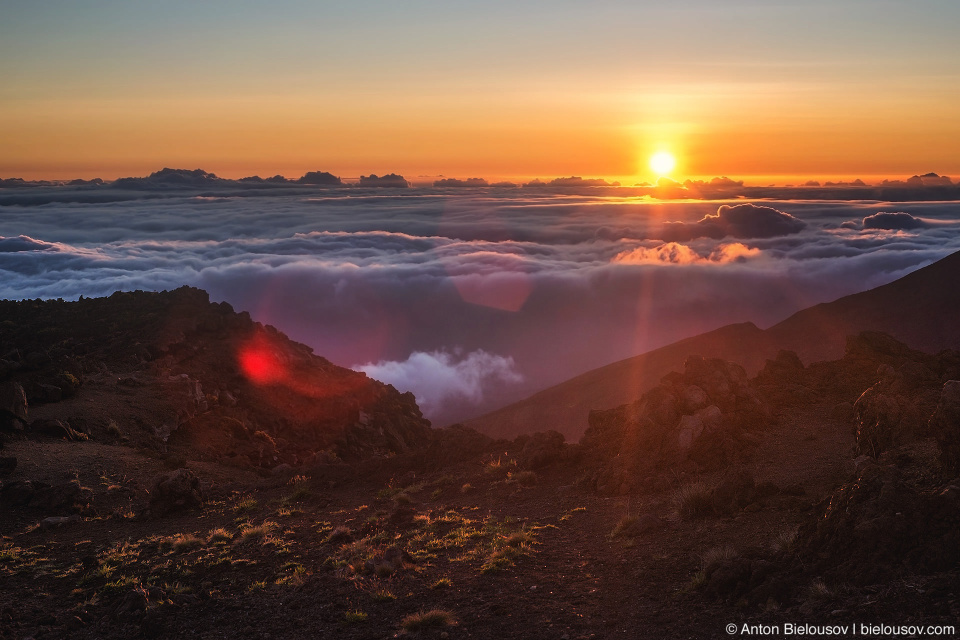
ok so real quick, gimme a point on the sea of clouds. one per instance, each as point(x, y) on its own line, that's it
point(475, 298)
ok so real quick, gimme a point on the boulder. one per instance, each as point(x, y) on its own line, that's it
point(56, 429)
point(13, 404)
point(876, 420)
point(54, 522)
point(688, 431)
point(7, 465)
point(65, 497)
point(541, 449)
point(945, 427)
point(734, 492)
point(711, 417)
point(175, 491)
point(694, 399)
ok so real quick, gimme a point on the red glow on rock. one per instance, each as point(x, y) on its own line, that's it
point(260, 363)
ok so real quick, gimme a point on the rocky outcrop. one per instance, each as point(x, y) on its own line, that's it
point(13, 405)
point(895, 410)
point(945, 427)
point(175, 491)
point(701, 416)
point(880, 523)
point(210, 382)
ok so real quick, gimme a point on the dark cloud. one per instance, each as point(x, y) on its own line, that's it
point(322, 178)
point(926, 180)
point(454, 182)
point(171, 178)
point(389, 180)
point(572, 182)
point(892, 221)
point(739, 221)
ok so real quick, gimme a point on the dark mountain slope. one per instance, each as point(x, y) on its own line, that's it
point(921, 309)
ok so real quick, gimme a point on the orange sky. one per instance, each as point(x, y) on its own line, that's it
point(774, 93)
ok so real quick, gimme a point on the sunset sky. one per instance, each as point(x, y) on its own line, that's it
point(497, 89)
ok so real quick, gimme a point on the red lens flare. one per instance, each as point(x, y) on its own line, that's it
point(260, 363)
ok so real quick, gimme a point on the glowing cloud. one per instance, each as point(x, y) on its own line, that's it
point(439, 377)
point(676, 253)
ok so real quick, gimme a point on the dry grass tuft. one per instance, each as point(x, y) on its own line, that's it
point(259, 532)
point(442, 583)
point(718, 556)
point(522, 478)
point(185, 542)
point(624, 528)
point(340, 535)
point(355, 616)
point(433, 619)
point(246, 505)
point(693, 500)
point(219, 536)
point(784, 542)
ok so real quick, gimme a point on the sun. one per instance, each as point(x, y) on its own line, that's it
point(662, 162)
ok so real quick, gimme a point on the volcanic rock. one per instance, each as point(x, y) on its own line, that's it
point(13, 404)
point(175, 491)
point(945, 427)
point(702, 414)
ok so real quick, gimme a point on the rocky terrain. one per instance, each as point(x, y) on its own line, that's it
point(171, 468)
point(919, 309)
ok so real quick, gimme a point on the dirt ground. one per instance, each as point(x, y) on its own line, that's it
point(504, 554)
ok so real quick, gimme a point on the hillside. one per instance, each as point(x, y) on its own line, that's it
point(920, 309)
point(173, 373)
point(716, 499)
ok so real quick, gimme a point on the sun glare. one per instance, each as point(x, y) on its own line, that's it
point(662, 162)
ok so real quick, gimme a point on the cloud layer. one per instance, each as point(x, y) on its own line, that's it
point(471, 298)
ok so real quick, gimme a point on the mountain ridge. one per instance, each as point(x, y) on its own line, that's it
point(917, 309)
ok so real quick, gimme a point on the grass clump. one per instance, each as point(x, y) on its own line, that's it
point(339, 535)
point(433, 619)
point(693, 500)
point(818, 590)
point(625, 528)
point(246, 505)
point(498, 467)
point(356, 616)
point(784, 542)
point(719, 556)
point(185, 542)
point(698, 580)
point(522, 478)
point(442, 583)
point(383, 595)
point(257, 533)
